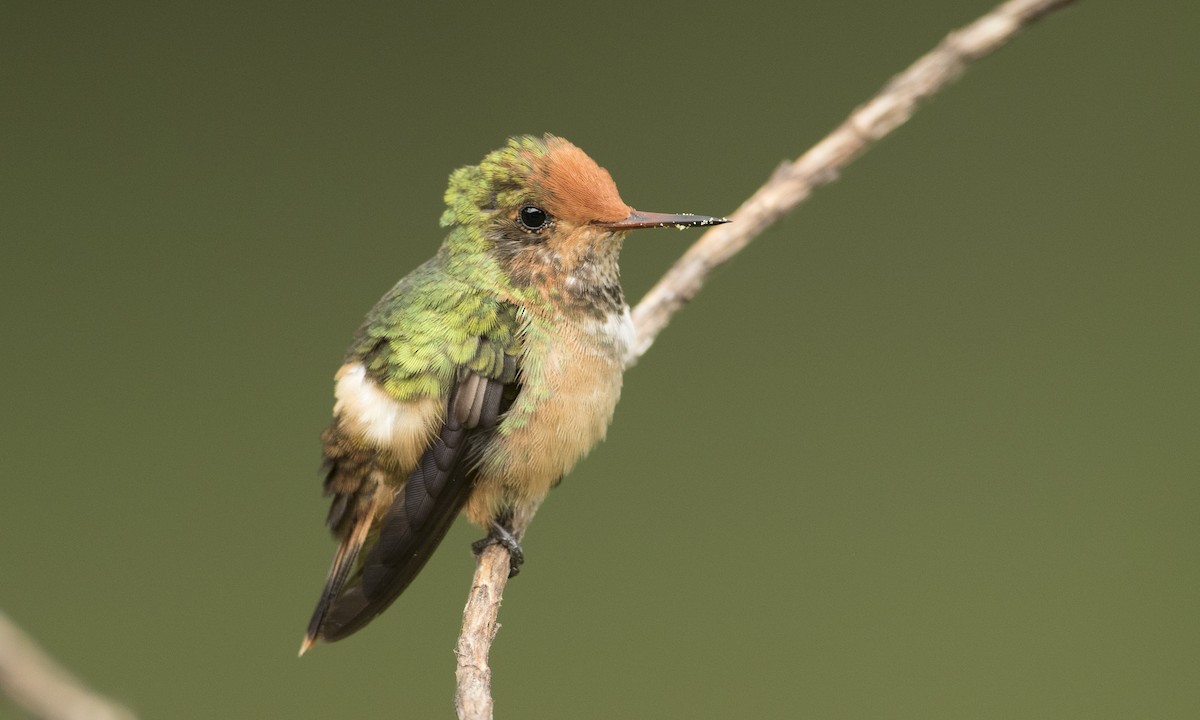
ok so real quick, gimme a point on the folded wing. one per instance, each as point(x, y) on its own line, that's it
point(389, 532)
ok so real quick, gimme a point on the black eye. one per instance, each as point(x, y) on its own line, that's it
point(533, 218)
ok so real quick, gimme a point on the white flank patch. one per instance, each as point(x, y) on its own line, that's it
point(375, 415)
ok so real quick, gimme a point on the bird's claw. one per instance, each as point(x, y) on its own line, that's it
point(500, 535)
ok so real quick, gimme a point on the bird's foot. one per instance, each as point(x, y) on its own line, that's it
point(500, 535)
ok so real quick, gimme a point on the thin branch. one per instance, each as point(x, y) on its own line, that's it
point(790, 185)
point(42, 688)
point(793, 182)
point(474, 696)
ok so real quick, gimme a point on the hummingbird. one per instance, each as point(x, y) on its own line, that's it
point(481, 378)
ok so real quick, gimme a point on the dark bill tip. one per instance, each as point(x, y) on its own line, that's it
point(638, 219)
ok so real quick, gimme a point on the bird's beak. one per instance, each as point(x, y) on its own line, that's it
point(638, 219)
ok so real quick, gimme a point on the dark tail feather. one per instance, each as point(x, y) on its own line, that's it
point(418, 519)
point(390, 566)
point(339, 573)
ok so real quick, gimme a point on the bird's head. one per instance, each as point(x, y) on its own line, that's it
point(549, 215)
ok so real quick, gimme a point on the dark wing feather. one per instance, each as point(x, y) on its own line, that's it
point(421, 515)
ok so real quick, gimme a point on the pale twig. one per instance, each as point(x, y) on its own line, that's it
point(474, 696)
point(790, 185)
point(793, 182)
point(34, 682)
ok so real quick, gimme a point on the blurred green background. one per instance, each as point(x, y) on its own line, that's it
point(927, 449)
